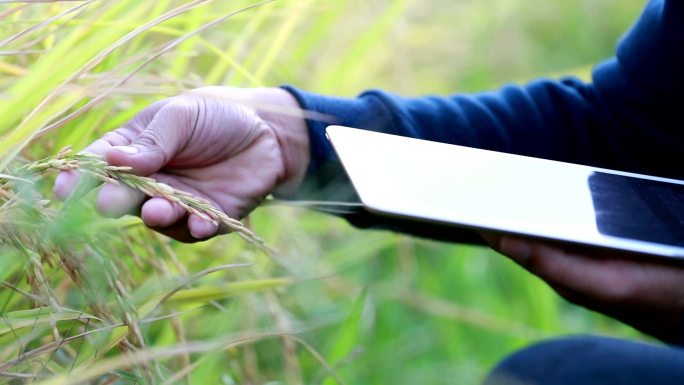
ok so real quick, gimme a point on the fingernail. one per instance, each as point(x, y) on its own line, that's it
point(130, 150)
point(517, 249)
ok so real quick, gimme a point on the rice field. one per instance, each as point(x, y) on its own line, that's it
point(294, 296)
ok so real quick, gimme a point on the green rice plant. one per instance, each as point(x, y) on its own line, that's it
point(85, 299)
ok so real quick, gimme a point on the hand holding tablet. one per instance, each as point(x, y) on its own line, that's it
point(590, 233)
point(485, 190)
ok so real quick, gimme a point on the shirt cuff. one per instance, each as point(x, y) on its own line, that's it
point(325, 179)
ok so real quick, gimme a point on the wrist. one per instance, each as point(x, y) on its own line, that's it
point(286, 118)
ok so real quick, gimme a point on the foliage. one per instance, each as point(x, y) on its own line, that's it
point(85, 299)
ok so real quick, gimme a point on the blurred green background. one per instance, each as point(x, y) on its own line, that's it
point(381, 308)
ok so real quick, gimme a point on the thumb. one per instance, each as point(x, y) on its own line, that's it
point(154, 147)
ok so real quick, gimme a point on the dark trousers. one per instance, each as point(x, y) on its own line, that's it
point(591, 361)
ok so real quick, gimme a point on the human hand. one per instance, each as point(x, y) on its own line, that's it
point(232, 147)
point(647, 294)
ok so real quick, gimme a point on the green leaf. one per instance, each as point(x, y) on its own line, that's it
point(101, 345)
point(204, 294)
point(348, 335)
point(29, 318)
point(10, 261)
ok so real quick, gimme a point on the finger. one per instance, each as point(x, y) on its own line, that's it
point(115, 201)
point(549, 263)
point(200, 228)
point(158, 143)
point(178, 231)
point(172, 220)
point(159, 212)
point(581, 277)
point(518, 249)
point(67, 181)
point(118, 137)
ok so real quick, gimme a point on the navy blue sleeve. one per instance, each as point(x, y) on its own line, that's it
point(629, 117)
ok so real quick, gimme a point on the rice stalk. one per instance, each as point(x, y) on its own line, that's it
point(93, 165)
point(43, 23)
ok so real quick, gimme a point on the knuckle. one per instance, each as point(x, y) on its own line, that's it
point(117, 137)
point(144, 117)
point(153, 142)
point(615, 288)
point(543, 263)
point(184, 108)
point(501, 244)
point(150, 138)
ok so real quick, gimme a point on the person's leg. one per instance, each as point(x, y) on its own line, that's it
point(591, 361)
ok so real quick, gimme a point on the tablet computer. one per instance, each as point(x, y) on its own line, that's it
point(487, 190)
